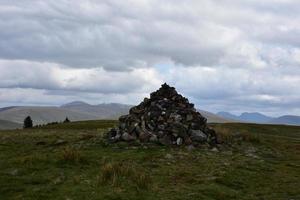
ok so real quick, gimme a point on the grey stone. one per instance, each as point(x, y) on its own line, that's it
point(127, 137)
point(214, 149)
point(60, 142)
point(153, 138)
point(169, 156)
point(144, 137)
point(198, 136)
point(179, 141)
point(189, 117)
point(165, 140)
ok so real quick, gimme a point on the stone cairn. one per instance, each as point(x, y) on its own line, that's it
point(166, 118)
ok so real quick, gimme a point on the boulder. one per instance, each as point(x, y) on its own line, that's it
point(198, 136)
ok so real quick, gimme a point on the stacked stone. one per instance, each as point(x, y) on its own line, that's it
point(167, 118)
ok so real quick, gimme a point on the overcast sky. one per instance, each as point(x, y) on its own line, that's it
point(224, 55)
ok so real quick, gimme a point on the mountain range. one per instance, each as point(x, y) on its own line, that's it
point(256, 117)
point(75, 111)
point(12, 117)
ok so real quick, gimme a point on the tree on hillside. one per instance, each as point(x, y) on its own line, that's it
point(67, 120)
point(27, 122)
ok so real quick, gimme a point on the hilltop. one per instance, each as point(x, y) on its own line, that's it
point(72, 161)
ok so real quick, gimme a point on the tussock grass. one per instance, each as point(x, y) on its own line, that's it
point(251, 137)
point(70, 154)
point(142, 180)
point(118, 173)
point(227, 136)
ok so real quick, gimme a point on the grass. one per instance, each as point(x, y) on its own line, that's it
point(72, 161)
point(115, 173)
point(70, 154)
point(225, 135)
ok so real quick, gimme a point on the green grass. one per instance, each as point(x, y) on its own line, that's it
point(72, 161)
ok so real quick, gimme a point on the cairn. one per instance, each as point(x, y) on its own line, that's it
point(166, 118)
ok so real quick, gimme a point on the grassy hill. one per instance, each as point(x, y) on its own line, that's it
point(42, 115)
point(101, 111)
point(75, 111)
point(4, 124)
point(72, 161)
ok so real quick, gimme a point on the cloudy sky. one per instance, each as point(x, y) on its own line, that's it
point(229, 55)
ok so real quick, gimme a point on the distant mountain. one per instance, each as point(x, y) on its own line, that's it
point(6, 108)
point(228, 115)
point(263, 119)
point(42, 115)
point(114, 110)
point(213, 118)
point(101, 111)
point(286, 119)
point(254, 117)
point(75, 103)
point(12, 117)
point(6, 125)
point(75, 111)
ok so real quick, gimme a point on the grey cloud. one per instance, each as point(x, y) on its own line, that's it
point(224, 54)
point(241, 89)
point(133, 34)
point(49, 76)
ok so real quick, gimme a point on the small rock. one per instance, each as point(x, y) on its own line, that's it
point(144, 137)
point(188, 141)
point(127, 137)
point(189, 117)
point(165, 140)
point(153, 138)
point(179, 141)
point(169, 156)
point(198, 136)
point(214, 149)
point(60, 142)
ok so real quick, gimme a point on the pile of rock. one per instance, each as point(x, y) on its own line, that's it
point(167, 118)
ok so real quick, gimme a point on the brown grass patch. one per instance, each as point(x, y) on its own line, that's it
point(118, 173)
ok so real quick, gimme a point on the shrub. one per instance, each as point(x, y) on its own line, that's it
point(27, 122)
point(66, 120)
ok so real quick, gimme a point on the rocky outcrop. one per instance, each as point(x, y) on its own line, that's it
point(167, 118)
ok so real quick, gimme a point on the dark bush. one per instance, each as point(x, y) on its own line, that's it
point(27, 122)
point(67, 120)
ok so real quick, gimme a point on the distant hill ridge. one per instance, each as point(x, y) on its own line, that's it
point(4, 124)
point(13, 116)
point(77, 111)
point(256, 117)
